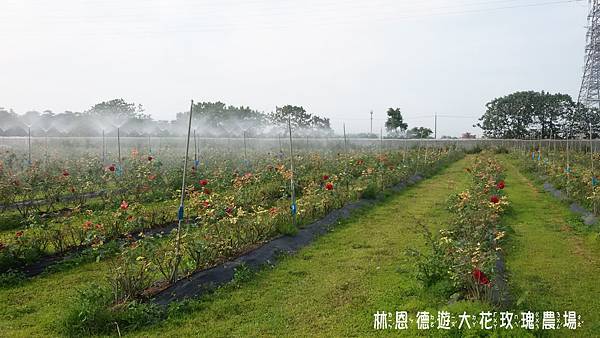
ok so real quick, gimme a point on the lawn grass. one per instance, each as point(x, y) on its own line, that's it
point(334, 286)
point(553, 259)
point(35, 307)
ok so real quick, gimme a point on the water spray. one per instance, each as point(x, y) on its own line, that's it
point(180, 211)
point(245, 149)
point(103, 148)
point(119, 145)
point(346, 162)
point(195, 151)
point(29, 144)
point(280, 147)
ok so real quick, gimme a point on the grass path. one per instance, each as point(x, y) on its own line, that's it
point(341, 268)
point(554, 264)
point(334, 286)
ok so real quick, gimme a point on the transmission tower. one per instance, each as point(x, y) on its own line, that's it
point(589, 94)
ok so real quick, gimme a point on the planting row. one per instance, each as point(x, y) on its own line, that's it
point(463, 257)
point(571, 171)
point(223, 198)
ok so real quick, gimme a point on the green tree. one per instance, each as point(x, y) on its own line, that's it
point(299, 119)
point(395, 123)
point(531, 115)
point(118, 108)
point(419, 132)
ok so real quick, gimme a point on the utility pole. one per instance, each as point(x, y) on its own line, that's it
point(371, 133)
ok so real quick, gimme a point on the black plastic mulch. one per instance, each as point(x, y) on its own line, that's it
point(205, 280)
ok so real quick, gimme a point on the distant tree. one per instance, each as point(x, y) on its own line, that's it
point(218, 119)
point(395, 123)
point(118, 108)
point(299, 119)
point(468, 135)
point(534, 114)
point(297, 115)
point(420, 132)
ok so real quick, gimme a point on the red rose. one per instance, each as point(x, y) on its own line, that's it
point(207, 191)
point(87, 225)
point(229, 210)
point(206, 204)
point(329, 186)
point(112, 167)
point(480, 277)
point(124, 205)
point(494, 199)
point(203, 182)
point(500, 185)
point(65, 173)
point(325, 177)
point(19, 234)
point(150, 158)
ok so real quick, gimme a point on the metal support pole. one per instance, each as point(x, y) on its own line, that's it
point(181, 202)
point(293, 207)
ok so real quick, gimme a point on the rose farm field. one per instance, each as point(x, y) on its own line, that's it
point(314, 237)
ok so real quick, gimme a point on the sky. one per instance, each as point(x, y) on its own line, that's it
point(337, 58)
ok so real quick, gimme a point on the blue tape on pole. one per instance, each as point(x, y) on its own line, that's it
point(293, 208)
point(197, 162)
point(180, 213)
point(594, 181)
point(568, 170)
point(533, 155)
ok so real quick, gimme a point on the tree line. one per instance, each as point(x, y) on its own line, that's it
point(211, 119)
point(532, 115)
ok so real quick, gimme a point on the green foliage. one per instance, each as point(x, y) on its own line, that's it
point(371, 191)
point(90, 314)
point(129, 276)
point(431, 266)
point(11, 278)
point(299, 118)
point(118, 108)
point(242, 274)
point(287, 228)
point(395, 123)
point(537, 114)
point(419, 132)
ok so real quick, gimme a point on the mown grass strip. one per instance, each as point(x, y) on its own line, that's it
point(333, 287)
point(36, 308)
point(552, 258)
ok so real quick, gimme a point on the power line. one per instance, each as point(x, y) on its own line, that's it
point(344, 20)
